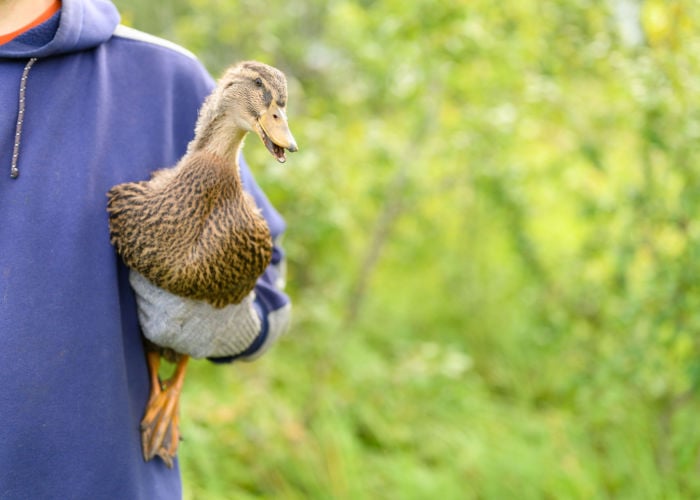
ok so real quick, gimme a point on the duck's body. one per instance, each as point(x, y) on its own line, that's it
point(191, 230)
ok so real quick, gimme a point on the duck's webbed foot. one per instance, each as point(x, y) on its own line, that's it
point(160, 433)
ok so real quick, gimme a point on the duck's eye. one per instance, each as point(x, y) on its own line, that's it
point(258, 82)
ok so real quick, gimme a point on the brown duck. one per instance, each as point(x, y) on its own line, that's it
point(192, 230)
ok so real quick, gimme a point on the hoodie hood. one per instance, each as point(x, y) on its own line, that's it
point(82, 24)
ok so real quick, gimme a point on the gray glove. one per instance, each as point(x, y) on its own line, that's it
point(194, 327)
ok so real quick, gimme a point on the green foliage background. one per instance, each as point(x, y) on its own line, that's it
point(493, 252)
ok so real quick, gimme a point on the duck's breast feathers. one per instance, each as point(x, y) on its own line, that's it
point(192, 230)
point(173, 203)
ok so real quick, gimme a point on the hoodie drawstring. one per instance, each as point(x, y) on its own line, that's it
point(14, 170)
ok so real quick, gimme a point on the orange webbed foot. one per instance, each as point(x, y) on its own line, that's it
point(160, 433)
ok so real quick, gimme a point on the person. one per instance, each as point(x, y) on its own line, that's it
point(86, 103)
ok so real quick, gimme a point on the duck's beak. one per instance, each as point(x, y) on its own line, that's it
point(275, 134)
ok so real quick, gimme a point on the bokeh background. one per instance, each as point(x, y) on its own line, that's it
point(493, 245)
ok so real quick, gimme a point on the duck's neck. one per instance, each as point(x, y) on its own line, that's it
point(216, 135)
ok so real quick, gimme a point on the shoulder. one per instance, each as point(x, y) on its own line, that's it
point(142, 52)
point(168, 75)
point(140, 37)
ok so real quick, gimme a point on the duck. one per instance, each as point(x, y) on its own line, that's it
point(192, 231)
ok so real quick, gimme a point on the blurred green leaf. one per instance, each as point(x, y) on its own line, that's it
point(492, 249)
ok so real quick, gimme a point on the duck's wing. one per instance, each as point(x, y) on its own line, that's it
point(127, 208)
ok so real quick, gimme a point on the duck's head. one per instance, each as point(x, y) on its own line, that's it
point(254, 96)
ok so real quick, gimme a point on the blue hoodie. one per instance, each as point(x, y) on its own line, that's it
point(103, 104)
